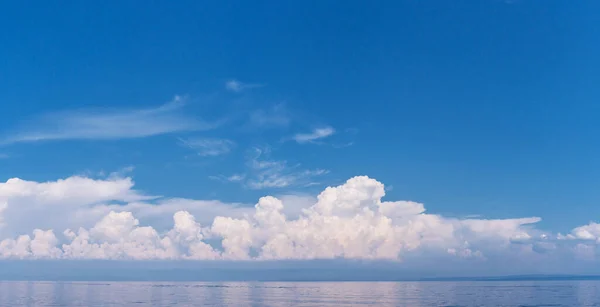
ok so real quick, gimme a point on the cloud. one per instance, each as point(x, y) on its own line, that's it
point(267, 173)
point(313, 136)
point(347, 221)
point(262, 172)
point(102, 124)
point(277, 116)
point(589, 232)
point(4, 156)
point(238, 86)
point(79, 202)
point(232, 178)
point(208, 146)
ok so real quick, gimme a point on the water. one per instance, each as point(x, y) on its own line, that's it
point(535, 293)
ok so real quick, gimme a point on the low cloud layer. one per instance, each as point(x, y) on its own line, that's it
point(83, 218)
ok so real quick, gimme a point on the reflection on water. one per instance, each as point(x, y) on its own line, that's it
point(549, 293)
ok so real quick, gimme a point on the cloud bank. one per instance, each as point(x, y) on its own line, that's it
point(83, 218)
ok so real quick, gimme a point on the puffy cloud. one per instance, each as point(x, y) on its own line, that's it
point(119, 236)
point(43, 245)
point(80, 202)
point(590, 231)
point(348, 221)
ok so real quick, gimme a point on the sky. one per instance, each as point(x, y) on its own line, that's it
point(397, 130)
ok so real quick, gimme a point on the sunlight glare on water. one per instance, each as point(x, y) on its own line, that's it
point(542, 293)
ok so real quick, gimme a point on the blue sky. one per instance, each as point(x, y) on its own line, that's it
point(484, 109)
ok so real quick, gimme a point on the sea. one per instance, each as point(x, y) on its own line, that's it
point(279, 294)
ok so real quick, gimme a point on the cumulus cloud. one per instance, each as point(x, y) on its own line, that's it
point(589, 232)
point(238, 86)
point(316, 134)
point(80, 202)
point(349, 221)
point(102, 124)
point(208, 146)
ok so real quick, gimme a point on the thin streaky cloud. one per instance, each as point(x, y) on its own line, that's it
point(4, 156)
point(208, 146)
point(316, 134)
point(102, 124)
point(343, 145)
point(232, 178)
point(268, 173)
point(237, 86)
point(262, 172)
point(276, 116)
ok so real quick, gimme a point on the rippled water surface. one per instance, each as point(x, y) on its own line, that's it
point(539, 293)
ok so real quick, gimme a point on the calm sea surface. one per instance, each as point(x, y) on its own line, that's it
point(538, 293)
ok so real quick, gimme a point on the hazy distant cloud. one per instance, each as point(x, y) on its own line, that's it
point(208, 146)
point(277, 116)
point(103, 124)
point(238, 86)
point(4, 156)
point(316, 134)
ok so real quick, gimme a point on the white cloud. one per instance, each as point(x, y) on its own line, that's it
point(315, 135)
point(589, 232)
point(238, 86)
point(347, 221)
point(262, 172)
point(209, 146)
point(232, 178)
point(79, 202)
point(236, 177)
point(268, 173)
point(277, 116)
point(102, 124)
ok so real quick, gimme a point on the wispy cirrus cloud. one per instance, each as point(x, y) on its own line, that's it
point(107, 124)
point(313, 136)
point(276, 116)
point(208, 146)
point(232, 178)
point(268, 173)
point(237, 86)
point(4, 156)
point(263, 172)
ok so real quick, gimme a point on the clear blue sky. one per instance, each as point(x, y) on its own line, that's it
point(471, 107)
